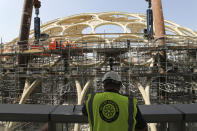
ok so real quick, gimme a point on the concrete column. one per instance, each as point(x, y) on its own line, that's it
point(158, 20)
point(24, 37)
point(25, 22)
point(159, 32)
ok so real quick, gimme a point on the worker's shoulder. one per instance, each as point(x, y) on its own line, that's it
point(94, 93)
point(129, 97)
point(126, 96)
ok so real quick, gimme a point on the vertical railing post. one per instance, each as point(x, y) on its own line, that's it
point(177, 126)
point(51, 126)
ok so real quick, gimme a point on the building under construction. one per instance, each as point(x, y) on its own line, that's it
point(64, 64)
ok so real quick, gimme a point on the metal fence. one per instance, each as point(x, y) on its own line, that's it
point(175, 117)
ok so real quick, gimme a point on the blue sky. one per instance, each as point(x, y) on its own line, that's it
point(182, 12)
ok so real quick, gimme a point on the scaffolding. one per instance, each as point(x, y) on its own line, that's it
point(62, 72)
point(54, 73)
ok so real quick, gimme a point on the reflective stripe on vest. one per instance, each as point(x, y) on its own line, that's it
point(132, 111)
point(90, 110)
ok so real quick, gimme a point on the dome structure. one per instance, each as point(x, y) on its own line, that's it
point(131, 24)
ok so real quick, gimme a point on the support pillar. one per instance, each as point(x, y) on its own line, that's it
point(158, 21)
point(159, 32)
point(24, 37)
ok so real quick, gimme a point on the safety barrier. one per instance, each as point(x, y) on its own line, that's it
point(176, 115)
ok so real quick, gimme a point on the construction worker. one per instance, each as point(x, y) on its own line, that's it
point(110, 111)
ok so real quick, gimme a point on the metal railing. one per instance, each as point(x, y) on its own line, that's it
point(176, 115)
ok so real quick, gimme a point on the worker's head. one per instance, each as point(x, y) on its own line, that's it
point(112, 81)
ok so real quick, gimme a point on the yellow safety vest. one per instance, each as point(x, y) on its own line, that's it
point(111, 111)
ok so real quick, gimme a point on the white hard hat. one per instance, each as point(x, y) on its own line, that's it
point(111, 76)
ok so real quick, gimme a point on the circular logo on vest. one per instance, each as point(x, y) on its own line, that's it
point(109, 111)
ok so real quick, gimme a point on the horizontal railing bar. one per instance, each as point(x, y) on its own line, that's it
point(73, 114)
